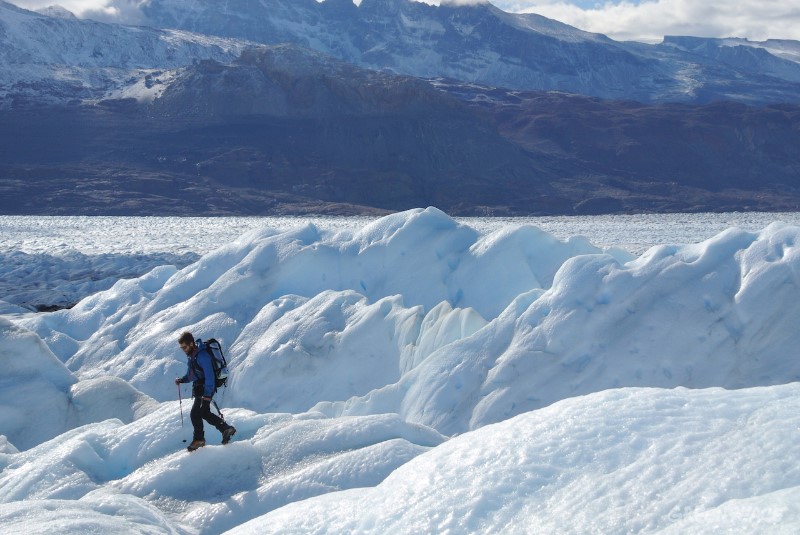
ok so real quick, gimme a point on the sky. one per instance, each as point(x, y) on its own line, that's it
point(637, 20)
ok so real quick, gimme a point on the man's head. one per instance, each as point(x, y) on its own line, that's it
point(186, 341)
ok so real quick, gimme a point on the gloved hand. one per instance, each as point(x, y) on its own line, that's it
point(177, 380)
point(206, 402)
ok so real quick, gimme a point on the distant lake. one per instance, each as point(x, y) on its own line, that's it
point(146, 235)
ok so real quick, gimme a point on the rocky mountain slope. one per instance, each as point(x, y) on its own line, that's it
point(285, 129)
point(53, 53)
point(482, 44)
point(52, 57)
point(104, 118)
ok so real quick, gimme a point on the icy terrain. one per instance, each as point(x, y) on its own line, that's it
point(56, 261)
point(415, 375)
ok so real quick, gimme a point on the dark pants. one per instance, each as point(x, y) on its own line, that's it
point(201, 410)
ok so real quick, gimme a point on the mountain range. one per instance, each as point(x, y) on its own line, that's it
point(282, 106)
point(479, 43)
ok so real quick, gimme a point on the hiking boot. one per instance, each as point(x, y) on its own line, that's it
point(227, 434)
point(196, 444)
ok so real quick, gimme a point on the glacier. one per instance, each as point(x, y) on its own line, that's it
point(414, 375)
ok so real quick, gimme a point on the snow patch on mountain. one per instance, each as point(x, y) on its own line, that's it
point(782, 48)
point(51, 57)
point(57, 11)
point(58, 58)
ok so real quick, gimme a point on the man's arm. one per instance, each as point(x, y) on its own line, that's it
point(184, 379)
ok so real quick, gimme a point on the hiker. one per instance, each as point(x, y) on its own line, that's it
point(200, 373)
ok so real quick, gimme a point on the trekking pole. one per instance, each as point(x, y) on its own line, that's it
point(180, 401)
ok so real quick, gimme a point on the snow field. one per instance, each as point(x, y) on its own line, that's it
point(415, 376)
point(619, 461)
point(275, 459)
point(63, 278)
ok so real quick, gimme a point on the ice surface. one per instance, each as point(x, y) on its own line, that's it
point(621, 461)
point(413, 374)
point(56, 261)
point(120, 514)
point(35, 388)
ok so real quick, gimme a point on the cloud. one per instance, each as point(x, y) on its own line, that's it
point(464, 2)
point(125, 11)
point(76, 6)
point(651, 20)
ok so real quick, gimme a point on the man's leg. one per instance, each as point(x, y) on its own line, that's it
point(196, 416)
point(212, 418)
point(227, 430)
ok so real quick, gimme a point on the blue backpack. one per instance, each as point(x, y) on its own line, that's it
point(218, 361)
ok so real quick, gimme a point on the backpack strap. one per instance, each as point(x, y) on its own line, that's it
point(218, 411)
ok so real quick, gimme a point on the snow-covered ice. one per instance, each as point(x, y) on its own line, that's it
point(412, 374)
point(621, 461)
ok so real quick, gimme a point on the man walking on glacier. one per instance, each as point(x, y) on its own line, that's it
point(200, 372)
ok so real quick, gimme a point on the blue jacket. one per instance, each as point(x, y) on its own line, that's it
point(200, 371)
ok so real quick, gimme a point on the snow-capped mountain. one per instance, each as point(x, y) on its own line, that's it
point(51, 56)
point(154, 117)
point(777, 58)
point(283, 129)
point(483, 44)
